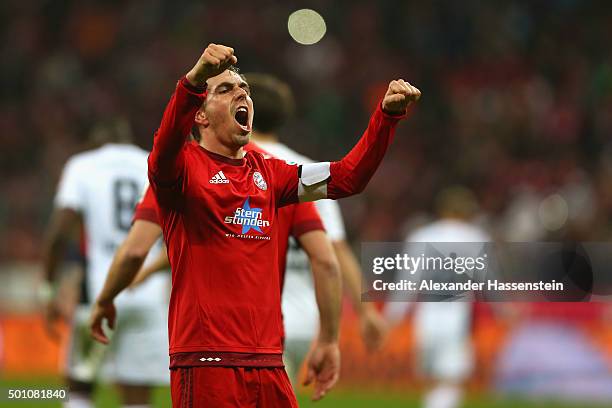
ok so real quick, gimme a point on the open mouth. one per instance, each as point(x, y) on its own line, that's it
point(242, 117)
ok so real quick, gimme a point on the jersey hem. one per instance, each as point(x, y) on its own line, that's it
point(225, 359)
point(301, 228)
point(145, 214)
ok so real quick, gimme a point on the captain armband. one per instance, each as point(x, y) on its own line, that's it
point(313, 181)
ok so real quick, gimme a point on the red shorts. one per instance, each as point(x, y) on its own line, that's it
point(235, 387)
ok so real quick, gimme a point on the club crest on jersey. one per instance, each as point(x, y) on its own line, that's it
point(259, 181)
point(249, 218)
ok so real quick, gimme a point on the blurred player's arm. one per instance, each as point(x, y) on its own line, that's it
point(159, 264)
point(127, 261)
point(64, 228)
point(324, 360)
point(373, 326)
point(166, 161)
point(147, 210)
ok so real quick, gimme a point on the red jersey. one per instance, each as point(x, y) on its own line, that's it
point(219, 216)
point(146, 208)
point(293, 220)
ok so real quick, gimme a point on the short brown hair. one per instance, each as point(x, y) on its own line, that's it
point(111, 130)
point(273, 102)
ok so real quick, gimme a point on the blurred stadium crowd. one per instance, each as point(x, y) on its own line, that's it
point(518, 101)
point(517, 107)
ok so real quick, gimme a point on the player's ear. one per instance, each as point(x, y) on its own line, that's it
point(201, 119)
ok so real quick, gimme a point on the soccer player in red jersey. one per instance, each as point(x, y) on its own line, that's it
point(301, 221)
point(225, 321)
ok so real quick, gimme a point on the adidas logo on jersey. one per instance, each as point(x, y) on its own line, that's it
point(219, 178)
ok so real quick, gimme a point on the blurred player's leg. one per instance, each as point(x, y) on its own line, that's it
point(84, 359)
point(139, 358)
point(442, 329)
point(80, 394)
point(442, 338)
point(443, 396)
point(134, 396)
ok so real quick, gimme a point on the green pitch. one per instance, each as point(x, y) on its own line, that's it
point(105, 397)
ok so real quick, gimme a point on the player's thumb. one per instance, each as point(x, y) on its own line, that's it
point(97, 333)
point(110, 314)
point(111, 321)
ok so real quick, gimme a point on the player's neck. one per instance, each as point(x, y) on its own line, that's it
point(264, 137)
point(215, 146)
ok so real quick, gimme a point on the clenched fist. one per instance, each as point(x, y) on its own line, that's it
point(215, 59)
point(399, 95)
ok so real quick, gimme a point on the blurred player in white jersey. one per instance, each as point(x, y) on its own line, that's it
point(442, 329)
point(275, 105)
point(97, 193)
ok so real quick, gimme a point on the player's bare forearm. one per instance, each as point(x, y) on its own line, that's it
point(161, 263)
point(373, 326)
point(122, 271)
point(323, 366)
point(62, 229)
point(54, 247)
point(351, 273)
point(351, 174)
point(327, 281)
point(126, 263)
point(129, 259)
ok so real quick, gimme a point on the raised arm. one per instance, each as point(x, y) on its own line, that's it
point(351, 174)
point(166, 161)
